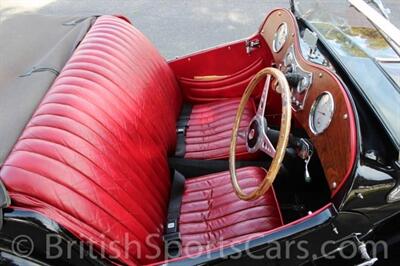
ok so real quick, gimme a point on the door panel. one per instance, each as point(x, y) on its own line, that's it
point(220, 72)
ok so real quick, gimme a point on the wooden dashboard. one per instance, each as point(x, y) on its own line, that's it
point(336, 146)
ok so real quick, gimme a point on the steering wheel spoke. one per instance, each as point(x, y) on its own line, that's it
point(267, 147)
point(264, 97)
point(242, 133)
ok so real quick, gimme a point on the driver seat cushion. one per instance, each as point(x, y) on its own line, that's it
point(209, 129)
point(212, 215)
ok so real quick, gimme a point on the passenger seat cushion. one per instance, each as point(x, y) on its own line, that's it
point(210, 126)
point(94, 155)
point(212, 215)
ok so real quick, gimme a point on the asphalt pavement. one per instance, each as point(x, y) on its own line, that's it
point(176, 27)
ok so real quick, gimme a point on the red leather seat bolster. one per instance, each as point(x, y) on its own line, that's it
point(94, 155)
point(210, 128)
point(213, 216)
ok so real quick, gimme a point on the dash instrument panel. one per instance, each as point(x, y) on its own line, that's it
point(319, 102)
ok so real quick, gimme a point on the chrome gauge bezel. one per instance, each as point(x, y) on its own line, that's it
point(314, 109)
point(282, 29)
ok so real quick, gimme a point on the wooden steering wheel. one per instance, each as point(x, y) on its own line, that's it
point(256, 133)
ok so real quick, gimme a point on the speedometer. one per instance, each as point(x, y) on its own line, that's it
point(280, 37)
point(321, 113)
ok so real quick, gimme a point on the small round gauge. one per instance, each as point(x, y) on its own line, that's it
point(321, 113)
point(280, 37)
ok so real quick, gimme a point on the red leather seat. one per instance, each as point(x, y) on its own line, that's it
point(93, 157)
point(212, 215)
point(209, 129)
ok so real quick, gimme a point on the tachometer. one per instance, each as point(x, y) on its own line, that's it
point(280, 37)
point(321, 113)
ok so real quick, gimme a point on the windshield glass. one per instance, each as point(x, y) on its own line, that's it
point(353, 33)
point(365, 54)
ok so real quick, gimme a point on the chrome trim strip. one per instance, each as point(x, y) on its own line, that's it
point(388, 60)
point(378, 20)
point(394, 195)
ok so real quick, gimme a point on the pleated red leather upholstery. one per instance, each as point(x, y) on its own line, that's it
point(212, 215)
point(94, 155)
point(210, 128)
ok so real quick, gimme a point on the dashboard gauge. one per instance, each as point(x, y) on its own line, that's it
point(280, 37)
point(321, 113)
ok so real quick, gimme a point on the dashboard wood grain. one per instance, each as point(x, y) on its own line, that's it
point(336, 146)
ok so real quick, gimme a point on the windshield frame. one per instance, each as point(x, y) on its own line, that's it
point(381, 23)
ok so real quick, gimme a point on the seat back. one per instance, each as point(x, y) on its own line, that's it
point(94, 155)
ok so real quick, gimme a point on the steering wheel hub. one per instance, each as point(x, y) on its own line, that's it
point(253, 132)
